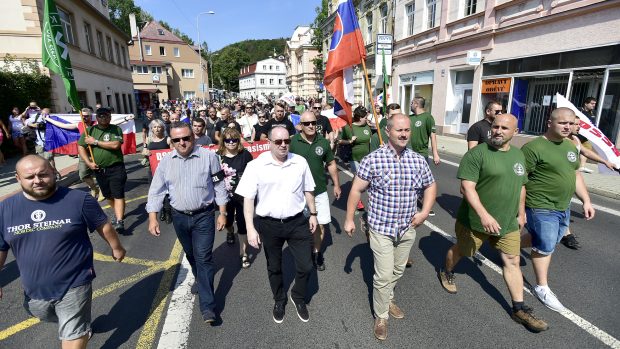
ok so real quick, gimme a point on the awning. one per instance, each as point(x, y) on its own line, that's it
point(149, 90)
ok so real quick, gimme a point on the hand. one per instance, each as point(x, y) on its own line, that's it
point(221, 222)
point(349, 227)
point(90, 140)
point(154, 227)
point(522, 220)
point(353, 139)
point(588, 211)
point(130, 117)
point(490, 225)
point(93, 166)
point(0, 292)
point(313, 223)
point(419, 218)
point(118, 254)
point(436, 159)
point(609, 165)
point(253, 238)
point(337, 192)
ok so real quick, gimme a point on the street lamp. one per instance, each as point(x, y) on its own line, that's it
point(200, 53)
point(212, 74)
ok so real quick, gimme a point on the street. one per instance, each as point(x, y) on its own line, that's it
point(132, 300)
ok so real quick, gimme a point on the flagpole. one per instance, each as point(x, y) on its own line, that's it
point(90, 149)
point(372, 106)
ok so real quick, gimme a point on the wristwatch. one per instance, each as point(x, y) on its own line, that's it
point(96, 143)
point(314, 214)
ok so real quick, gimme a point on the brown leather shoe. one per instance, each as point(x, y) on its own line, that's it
point(395, 311)
point(409, 263)
point(380, 329)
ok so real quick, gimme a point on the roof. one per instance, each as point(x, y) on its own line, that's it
point(249, 70)
point(152, 30)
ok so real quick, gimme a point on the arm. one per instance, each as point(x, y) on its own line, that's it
point(471, 144)
point(582, 194)
point(310, 202)
point(3, 255)
point(61, 124)
point(332, 168)
point(217, 136)
point(592, 155)
point(263, 137)
point(490, 225)
point(109, 145)
point(521, 217)
point(436, 158)
point(6, 131)
point(85, 156)
point(123, 120)
point(430, 193)
point(359, 185)
point(248, 211)
point(155, 201)
point(107, 232)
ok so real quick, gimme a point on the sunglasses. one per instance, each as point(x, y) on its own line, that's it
point(316, 108)
point(497, 112)
point(231, 140)
point(286, 141)
point(308, 123)
point(177, 140)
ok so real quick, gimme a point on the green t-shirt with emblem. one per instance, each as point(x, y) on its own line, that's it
point(499, 177)
point(361, 146)
point(105, 157)
point(317, 154)
point(422, 126)
point(551, 170)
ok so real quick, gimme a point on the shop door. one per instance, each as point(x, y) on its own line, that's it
point(609, 123)
point(540, 100)
point(462, 108)
point(586, 83)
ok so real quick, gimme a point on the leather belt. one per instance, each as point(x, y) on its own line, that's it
point(283, 220)
point(195, 212)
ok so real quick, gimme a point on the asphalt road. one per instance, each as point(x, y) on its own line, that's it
point(132, 298)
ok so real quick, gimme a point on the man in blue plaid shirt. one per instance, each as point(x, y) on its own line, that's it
point(395, 176)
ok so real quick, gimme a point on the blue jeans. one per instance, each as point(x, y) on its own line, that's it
point(547, 228)
point(196, 234)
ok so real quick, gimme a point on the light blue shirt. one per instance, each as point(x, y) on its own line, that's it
point(188, 181)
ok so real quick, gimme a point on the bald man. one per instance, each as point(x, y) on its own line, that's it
point(491, 172)
point(47, 227)
point(552, 164)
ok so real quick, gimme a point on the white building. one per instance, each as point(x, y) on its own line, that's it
point(302, 76)
point(263, 78)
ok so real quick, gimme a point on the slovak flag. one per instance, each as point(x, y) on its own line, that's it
point(64, 140)
point(347, 49)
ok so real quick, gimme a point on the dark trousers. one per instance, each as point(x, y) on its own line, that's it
point(196, 234)
point(296, 233)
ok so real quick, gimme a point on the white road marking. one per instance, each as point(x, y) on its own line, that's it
point(175, 333)
point(574, 318)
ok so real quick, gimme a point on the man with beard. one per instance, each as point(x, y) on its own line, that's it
point(227, 121)
point(279, 119)
point(480, 132)
point(211, 120)
point(490, 172)
point(47, 227)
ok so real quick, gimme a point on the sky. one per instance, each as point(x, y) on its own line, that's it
point(234, 20)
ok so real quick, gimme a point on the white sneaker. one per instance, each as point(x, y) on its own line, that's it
point(548, 298)
point(585, 170)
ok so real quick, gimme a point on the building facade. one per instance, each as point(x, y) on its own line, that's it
point(302, 76)
point(165, 67)
point(263, 78)
point(530, 50)
point(97, 48)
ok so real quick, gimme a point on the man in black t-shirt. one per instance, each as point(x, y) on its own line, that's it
point(280, 120)
point(588, 110)
point(227, 121)
point(323, 126)
point(480, 132)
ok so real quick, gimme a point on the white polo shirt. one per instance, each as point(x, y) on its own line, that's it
point(278, 188)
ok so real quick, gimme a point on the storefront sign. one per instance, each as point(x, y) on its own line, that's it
point(474, 57)
point(496, 86)
point(421, 78)
point(255, 149)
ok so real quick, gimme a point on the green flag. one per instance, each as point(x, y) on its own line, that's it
point(56, 53)
point(386, 81)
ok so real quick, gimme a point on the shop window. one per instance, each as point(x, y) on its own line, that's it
point(610, 114)
point(464, 77)
point(533, 99)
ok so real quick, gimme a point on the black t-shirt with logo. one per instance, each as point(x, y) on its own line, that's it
point(480, 132)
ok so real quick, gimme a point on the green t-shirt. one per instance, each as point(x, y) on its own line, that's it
point(421, 128)
point(317, 154)
point(551, 170)
point(361, 146)
point(104, 157)
point(499, 177)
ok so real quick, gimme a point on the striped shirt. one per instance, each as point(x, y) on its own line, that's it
point(394, 186)
point(188, 182)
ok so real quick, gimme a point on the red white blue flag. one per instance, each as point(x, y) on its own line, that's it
point(347, 49)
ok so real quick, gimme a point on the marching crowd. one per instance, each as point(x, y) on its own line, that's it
point(281, 197)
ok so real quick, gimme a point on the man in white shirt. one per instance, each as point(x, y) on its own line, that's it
point(282, 184)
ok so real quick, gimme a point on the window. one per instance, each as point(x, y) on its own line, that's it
point(97, 97)
point(264, 67)
point(270, 81)
point(262, 81)
point(162, 51)
point(277, 67)
point(110, 50)
point(369, 28)
point(156, 70)
point(470, 7)
point(271, 67)
point(124, 55)
point(177, 52)
point(100, 44)
point(384, 18)
point(65, 21)
point(117, 48)
point(410, 11)
point(160, 31)
point(147, 49)
point(142, 69)
point(189, 94)
point(104, 3)
point(279, 81)
point(125, 110)
point(431, 13)
point(88, 34)
point(187, 73)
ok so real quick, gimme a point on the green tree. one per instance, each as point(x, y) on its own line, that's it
point(120, 10)
point(226, 66)
point(317, 33)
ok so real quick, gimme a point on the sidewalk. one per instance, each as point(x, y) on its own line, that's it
point(604, 185)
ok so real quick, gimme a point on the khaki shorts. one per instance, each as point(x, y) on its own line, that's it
point(45, 154)
point(469, 241)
